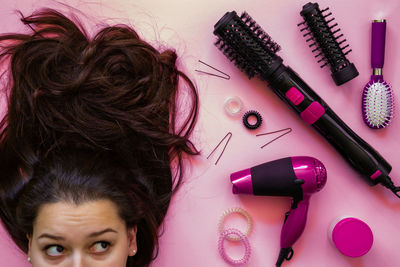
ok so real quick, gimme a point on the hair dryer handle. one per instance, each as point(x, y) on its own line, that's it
point(293, 227)
point(295, 222)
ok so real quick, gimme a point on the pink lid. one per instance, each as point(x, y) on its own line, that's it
point(352, 237)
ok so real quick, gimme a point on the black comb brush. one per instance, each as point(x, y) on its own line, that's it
point(328, 42)
point(251, 49)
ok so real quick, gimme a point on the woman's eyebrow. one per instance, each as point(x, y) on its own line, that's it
point(51, 237)
point(94, 234)
point(107, 230)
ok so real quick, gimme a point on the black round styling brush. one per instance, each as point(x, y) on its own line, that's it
point(241, 33)
point(325, 38)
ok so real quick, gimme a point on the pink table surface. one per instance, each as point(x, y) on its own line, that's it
point(190, 234)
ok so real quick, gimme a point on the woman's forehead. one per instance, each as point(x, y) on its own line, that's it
point(68, 219)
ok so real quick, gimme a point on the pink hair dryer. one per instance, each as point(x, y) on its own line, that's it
point(297, 177)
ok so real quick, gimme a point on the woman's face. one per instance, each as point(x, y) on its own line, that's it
point(89, 234)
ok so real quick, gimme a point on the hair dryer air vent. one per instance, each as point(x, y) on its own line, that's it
point(320, 174)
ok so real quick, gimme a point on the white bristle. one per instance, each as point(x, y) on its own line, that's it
point(378, 104)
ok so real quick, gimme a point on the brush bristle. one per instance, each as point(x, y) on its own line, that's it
point(246, 44)
point(378, 104)
point(260, 33)
point(325, 36)
point(236, 58)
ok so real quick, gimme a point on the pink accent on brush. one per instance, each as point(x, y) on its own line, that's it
point(295, 96)
point(312, 113)
point(376, 174)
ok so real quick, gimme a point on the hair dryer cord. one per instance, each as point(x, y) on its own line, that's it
point(396, 191)
point(388, 183)
point(284, 254)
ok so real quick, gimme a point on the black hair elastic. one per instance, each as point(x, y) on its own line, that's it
point(246, 117)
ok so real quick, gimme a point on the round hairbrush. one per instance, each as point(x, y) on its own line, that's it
point(328, 43)
point(377, 98)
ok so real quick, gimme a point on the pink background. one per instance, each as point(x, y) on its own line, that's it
point(190, 234)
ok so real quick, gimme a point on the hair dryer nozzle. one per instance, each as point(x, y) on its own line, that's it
point(241, 182)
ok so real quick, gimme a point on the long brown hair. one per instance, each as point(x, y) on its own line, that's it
point(110, 99)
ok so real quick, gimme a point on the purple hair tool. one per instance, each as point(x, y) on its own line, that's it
point(297, 177)
point(377, 99)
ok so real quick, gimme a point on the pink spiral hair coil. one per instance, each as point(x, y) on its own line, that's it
point(242, 238)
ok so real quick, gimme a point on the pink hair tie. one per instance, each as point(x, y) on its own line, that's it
point(241, 237)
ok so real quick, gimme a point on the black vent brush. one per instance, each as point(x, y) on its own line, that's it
point(244, 42)
point(327, 41)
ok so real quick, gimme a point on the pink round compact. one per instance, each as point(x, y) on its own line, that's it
point(352, 237)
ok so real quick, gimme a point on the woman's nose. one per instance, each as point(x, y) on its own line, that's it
point(79, 260)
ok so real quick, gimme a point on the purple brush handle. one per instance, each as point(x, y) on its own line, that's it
point(378, 44)
point(295, 223)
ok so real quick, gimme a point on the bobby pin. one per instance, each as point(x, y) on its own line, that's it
point(226, 76)
point(223, 150)
point(288, 130)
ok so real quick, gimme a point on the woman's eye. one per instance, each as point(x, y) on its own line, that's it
point(54, 250)
point(100, 247)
